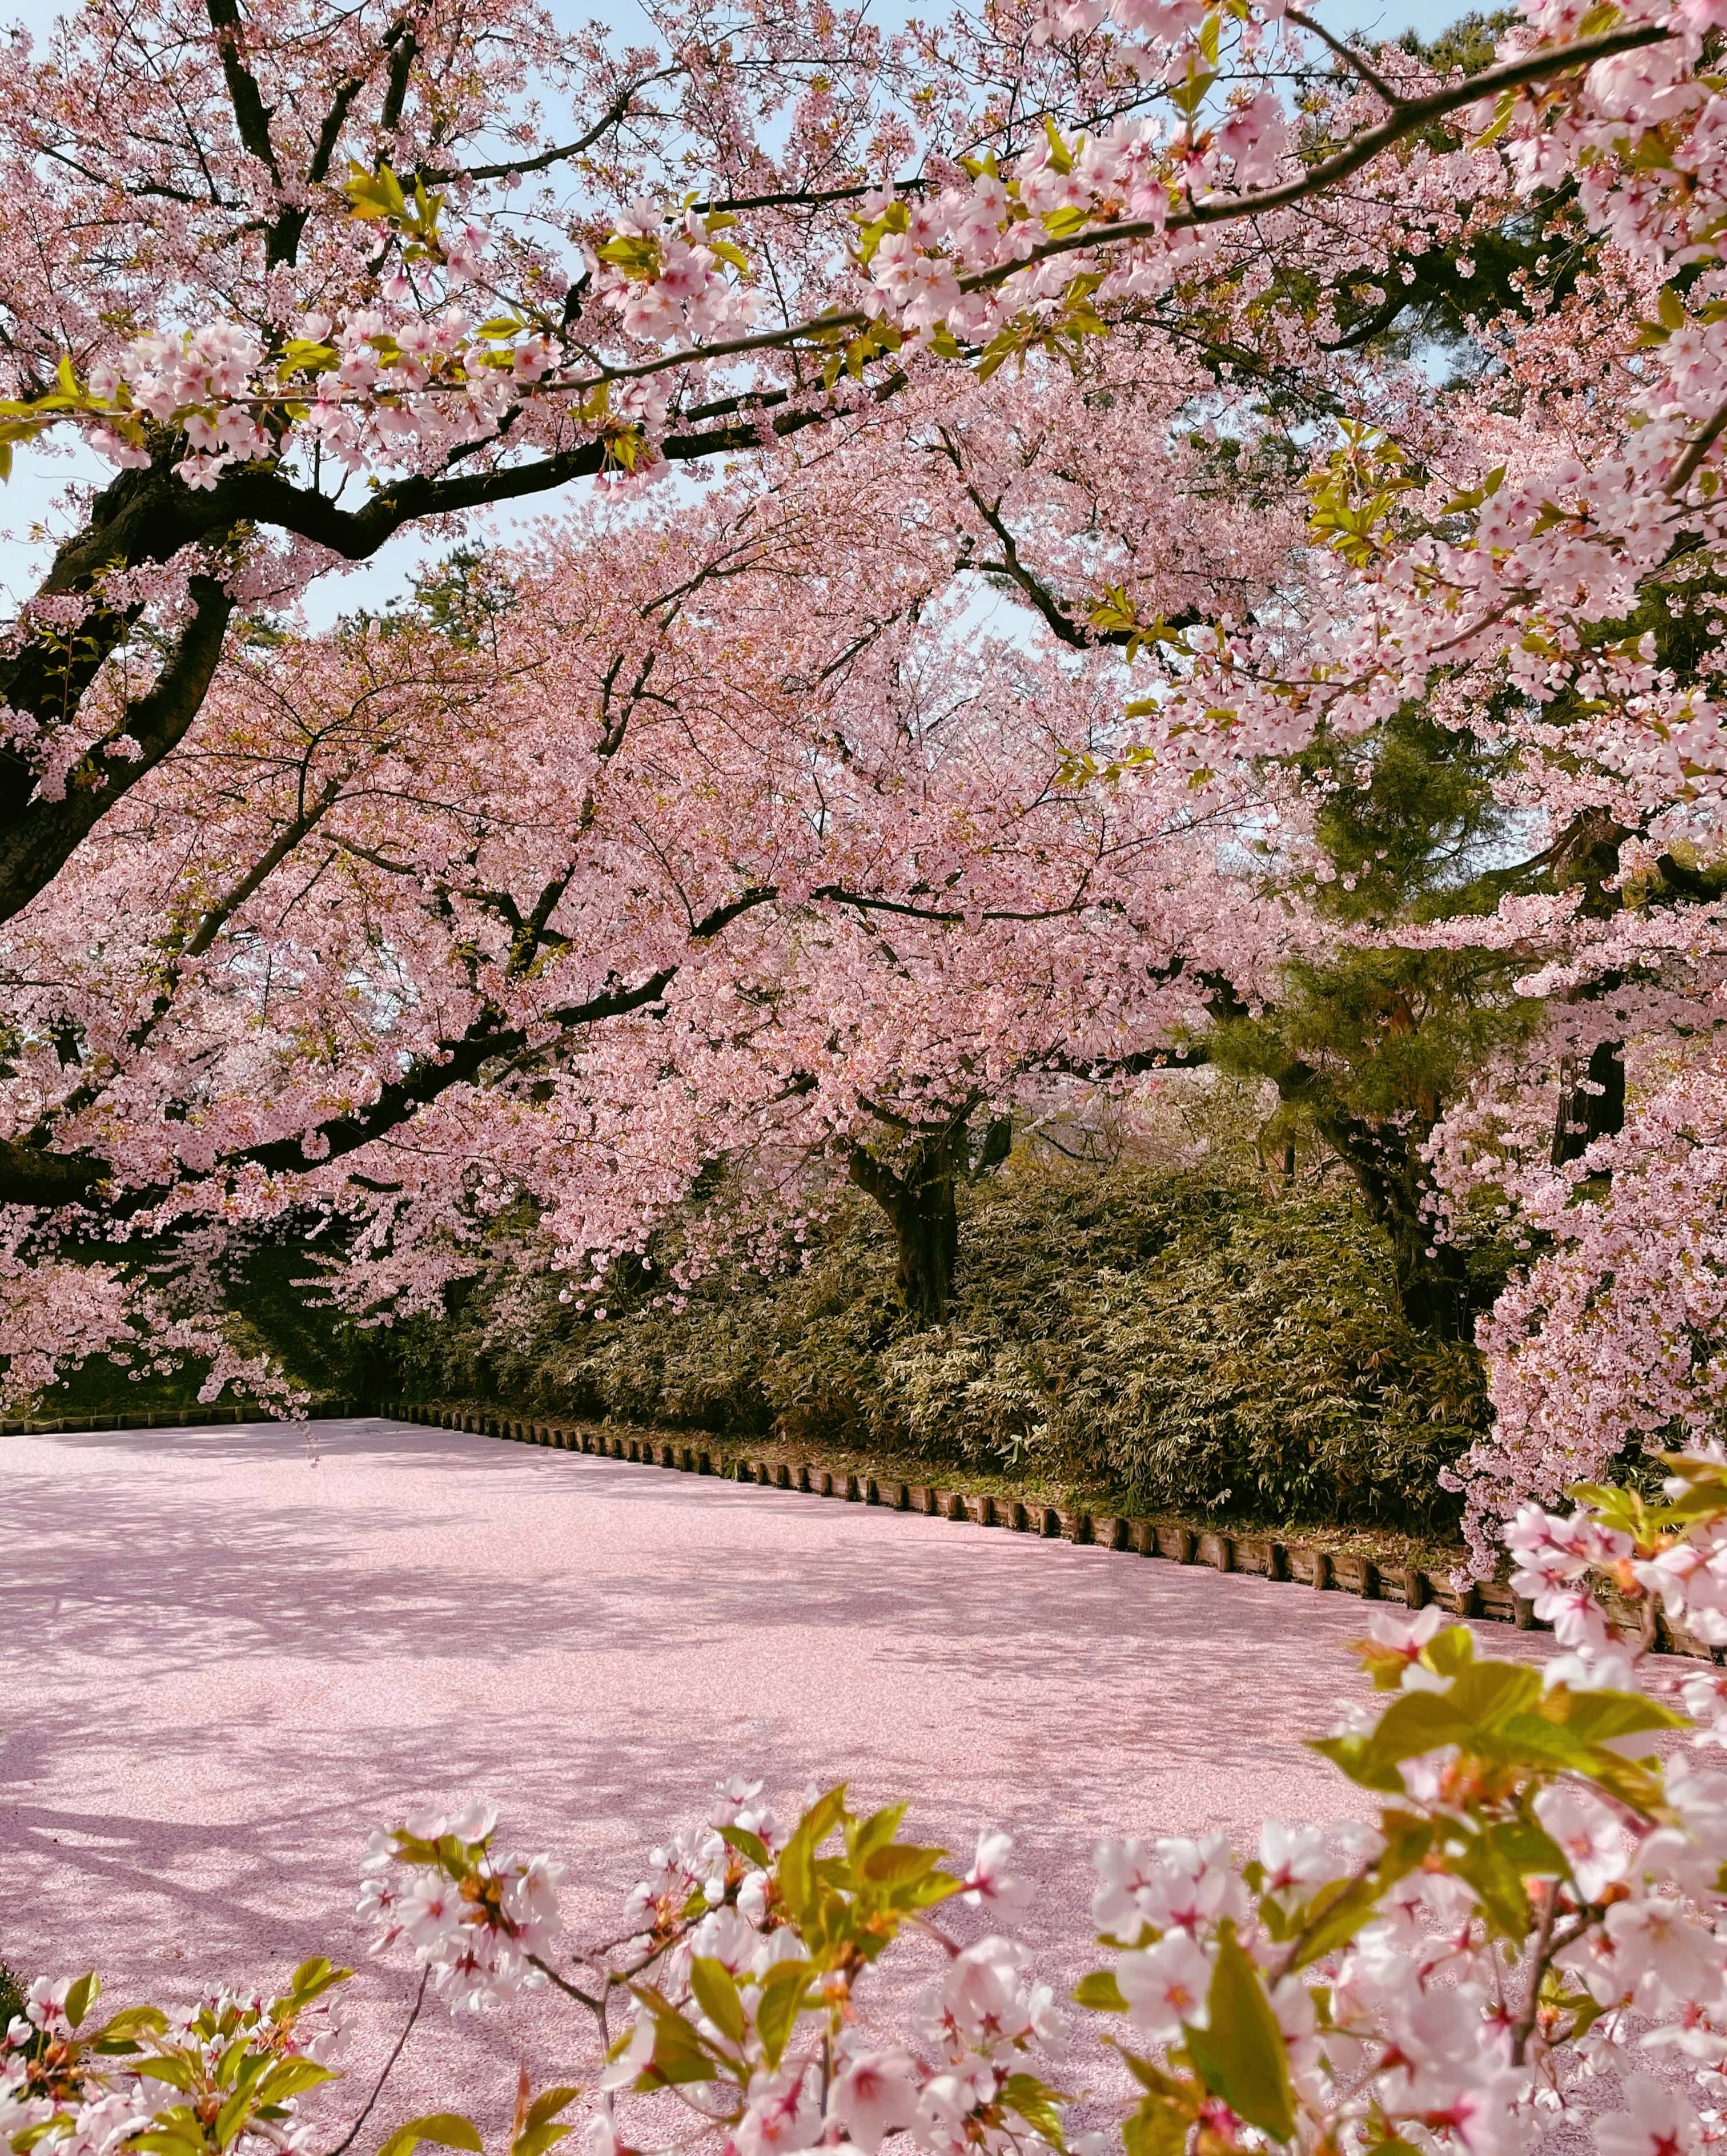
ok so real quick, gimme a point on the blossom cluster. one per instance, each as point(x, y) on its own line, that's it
point(239, 2065)
point(479, 1923)
point(1012, 251)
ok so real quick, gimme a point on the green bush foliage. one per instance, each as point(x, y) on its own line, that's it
point(1185, 1340)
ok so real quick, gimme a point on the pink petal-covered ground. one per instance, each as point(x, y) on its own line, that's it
point(225, 1661)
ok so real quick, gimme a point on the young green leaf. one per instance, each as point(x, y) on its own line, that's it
point(1240, 2050)
point(82, 1997)
point(1100, 1991)
point(448, 2129)
point(777, 2009)
point(1035, 2101)
point(717, 1996)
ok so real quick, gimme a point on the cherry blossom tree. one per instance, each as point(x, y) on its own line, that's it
point(671, 838)
point(331, 301)
point(321, 271)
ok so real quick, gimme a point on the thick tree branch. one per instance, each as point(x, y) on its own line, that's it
point(39, 836)
point(1702, 442)
point(47, 1179)
point(873, 1179)
point(250, 117)
point(395, 95)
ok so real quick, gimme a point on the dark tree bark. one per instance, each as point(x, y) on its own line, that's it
point(1592, 1095)
point(919, 1200)
point(1591, 1100)
point(1431, 1281)
point(997, 1144)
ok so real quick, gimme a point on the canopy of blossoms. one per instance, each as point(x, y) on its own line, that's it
point(718, 819)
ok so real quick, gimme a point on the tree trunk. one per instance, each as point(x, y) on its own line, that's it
point(919, 1200)
point(1591, 1097)
point(1431, 1282)
point(1591, 1100)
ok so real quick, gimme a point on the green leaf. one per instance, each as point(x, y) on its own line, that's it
point(313, 1978)
point(292, 2077)
point(1354, 1754)
point(233, 2116)
point(875, 1833)
point(1035, 2101)
point(1100, 1992)
point(778, 2008)
point(1241, 2052)
point(549, 2103)
point(228, 2065)
point(1343, 1906)
point(797, 1859)
point(535, 2140)
point(170, 2140)
point(747, 1844)
point(680, 2056)
point(1418, 1722)
point(717, 1995)
point(899, 1863)
point(1485, 1866)
point(1599, 1717)
point(82, 1997)
point(1530, 1740)
point(1448, 1653)
point(175, 2072)
point(448, 2129)
point(122, 2031)
point(1159, 2128)
point(1150, 2077)
point(377, 196)
point(56, 2128)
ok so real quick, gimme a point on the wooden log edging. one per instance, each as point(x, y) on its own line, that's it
point(1294, 1563)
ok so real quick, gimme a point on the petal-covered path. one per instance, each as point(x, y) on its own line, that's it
point(227, 1657)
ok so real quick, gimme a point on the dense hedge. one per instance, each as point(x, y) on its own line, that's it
point(1186, 1340)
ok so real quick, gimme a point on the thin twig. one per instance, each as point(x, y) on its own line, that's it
point(419, 2000)
point(570, 1990)
point(1347, 55)
point(1525, 2025)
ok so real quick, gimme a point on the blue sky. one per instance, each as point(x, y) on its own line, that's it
point(27, 501)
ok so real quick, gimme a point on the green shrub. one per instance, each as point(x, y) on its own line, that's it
point(1186, 1340)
